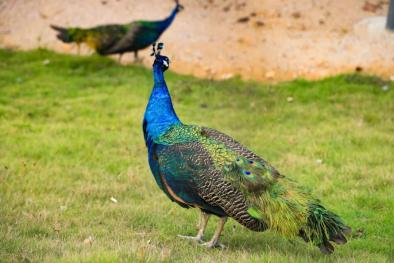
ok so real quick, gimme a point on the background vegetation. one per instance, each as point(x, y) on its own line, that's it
point(71, 139)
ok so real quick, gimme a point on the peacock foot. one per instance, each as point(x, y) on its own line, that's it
point(197, 238)
point(213, 244)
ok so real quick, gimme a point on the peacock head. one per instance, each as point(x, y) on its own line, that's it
point(162, 62)
point(178, 7)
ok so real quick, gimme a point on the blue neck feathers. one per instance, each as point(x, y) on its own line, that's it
point(159, 114)
point(167, 22)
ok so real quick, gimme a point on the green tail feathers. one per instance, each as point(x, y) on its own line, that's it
point(63, 34)
point(324, 226)
point(69, 35)
point(291, 211)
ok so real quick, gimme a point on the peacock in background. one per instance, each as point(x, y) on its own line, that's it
point(118, 38)
point(203, 168)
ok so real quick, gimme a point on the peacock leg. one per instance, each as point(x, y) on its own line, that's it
point(78, 48)
point(136, 55)
point(120, 58)
point(204, 217)
point(214, 242)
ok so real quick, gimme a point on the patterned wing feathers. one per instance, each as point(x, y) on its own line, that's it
point(227, 175)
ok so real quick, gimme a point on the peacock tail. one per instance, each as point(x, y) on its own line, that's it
point(98, 38)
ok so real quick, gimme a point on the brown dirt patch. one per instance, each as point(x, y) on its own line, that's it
point(261, 40)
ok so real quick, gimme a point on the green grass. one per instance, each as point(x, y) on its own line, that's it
point(71, 138)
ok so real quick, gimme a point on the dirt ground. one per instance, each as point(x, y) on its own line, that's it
point(256, 39)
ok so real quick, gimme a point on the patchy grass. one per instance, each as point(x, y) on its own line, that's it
point(70, 139)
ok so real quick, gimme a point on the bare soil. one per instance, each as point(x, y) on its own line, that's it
point(262, 40)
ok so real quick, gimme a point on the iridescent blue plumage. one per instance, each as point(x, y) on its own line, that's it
point(159, 117)
point(160, 114)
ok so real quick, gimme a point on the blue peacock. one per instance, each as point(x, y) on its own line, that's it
point(203, 168)
point(118, 38)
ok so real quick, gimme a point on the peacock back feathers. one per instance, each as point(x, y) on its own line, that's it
point(99, 38)
point(227, 175)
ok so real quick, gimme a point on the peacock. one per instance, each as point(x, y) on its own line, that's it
point(206, 169)
point(118, 38)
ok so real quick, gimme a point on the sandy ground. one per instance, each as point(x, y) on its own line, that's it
point(256, 39)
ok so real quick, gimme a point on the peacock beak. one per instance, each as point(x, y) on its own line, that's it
point(166, 63)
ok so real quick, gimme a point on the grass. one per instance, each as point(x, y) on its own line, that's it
point(70, 139)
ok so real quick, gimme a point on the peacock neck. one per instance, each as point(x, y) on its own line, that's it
point(158, 79)
point(160, 114)
point(167, 22)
